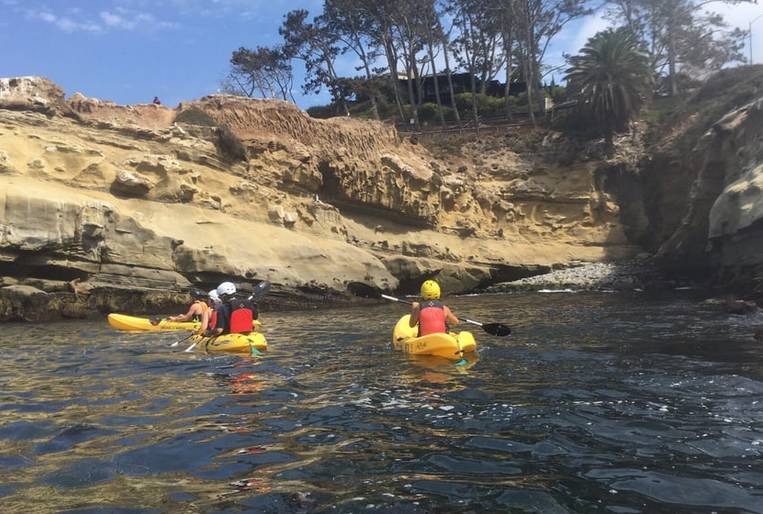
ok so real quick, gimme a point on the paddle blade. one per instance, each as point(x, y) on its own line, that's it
point(261, 289)
point(497, 329)
point(363, 290)
point(462, 362)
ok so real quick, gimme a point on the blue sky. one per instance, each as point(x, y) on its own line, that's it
point(130, 50)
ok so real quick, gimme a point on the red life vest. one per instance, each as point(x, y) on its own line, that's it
point(432, 318)
point(241, 321)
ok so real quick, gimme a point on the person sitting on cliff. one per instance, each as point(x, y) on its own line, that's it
point(431, 315)
point(235, 315)
point(156, 101)
point(197, 308)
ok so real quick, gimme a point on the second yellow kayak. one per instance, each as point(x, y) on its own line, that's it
point(450, 346)
point(231, 343)
point(136, 324)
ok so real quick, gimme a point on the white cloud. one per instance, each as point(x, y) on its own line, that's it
point(124, 19)
point(120, 18)
point(114, 20)
point(64, 23)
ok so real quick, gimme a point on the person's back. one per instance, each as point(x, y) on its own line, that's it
point(236, 314)
point(242, 315)
point(432, 318)
point(197, 308)
point(431, 315)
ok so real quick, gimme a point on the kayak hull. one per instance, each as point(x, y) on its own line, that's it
point(451, 346)
point(136, 324)
point(231, 343)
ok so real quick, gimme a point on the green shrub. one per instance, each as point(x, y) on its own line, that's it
point(323, 111)
point(486, 105)
point(557, 93)
point(429, 113)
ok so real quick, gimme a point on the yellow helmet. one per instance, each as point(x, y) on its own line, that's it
point(430, 290)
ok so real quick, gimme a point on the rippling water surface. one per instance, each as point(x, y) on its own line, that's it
point(598, 403)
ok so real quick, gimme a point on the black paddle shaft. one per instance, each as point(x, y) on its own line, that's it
point(365, 291)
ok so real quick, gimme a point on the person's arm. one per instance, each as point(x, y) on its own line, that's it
point(415, 310)
point(223, 320)
point(205, 316)
point(450, 317)
point(188, 316)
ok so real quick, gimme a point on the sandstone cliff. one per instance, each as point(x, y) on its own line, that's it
point(107, 207)
point(695, 196)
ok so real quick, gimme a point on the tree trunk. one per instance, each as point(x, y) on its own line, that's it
point(364, 58)
point(436, 77)
point(411, 95)
point(450, 81)
point(472, 78)
point(389, 51)
point(508, 38)
point(333, 76)
point(369, 76)
point(672, 58)
point(530, 100)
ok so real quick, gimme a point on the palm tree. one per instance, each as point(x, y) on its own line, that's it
point(611, 78)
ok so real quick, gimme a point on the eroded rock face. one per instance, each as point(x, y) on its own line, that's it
point(114, 206)
point(721, 228)
point(30, 93)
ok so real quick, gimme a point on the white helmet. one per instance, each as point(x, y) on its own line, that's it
point(226, 288)
point(214, 296)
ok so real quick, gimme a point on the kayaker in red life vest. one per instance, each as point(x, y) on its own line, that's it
point(197, 308)
point(430, 314)
point(235, 315)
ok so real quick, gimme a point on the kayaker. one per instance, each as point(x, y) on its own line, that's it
point(432, 316)
point(215, 298)
point(224, 292)
point(209, 318)
point(236, 313)
point(197, 308)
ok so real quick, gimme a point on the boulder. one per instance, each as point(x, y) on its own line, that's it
point(22, 303)
point(31, 93)
point(739, 206)
point(132, 183)
point(6, 166)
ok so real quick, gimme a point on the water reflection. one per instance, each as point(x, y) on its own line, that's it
point(598, 403)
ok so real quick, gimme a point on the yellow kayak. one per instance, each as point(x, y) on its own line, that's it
point(231, 343)
point(135, 324)
point(450, 346)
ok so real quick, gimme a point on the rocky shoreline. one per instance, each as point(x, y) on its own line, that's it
point(635, 275)
point(105, 207)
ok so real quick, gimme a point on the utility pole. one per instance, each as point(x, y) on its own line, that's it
point(753, 21)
